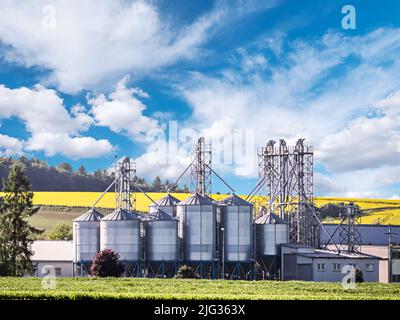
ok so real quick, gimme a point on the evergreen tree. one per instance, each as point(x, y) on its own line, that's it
point(16, 234)
point(185, 189)
point(156, 185)
point(65, 168)
point(82, 171)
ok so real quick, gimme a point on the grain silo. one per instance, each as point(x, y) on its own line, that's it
point(120, 231)
point(86, 239)
point(236, 217)
point(167, 204)
point(197, 231)
point(271, 232)
point(161, 244)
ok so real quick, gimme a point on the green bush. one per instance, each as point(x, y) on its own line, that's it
point(61, 231)
point(359, 276)
point(185, 272)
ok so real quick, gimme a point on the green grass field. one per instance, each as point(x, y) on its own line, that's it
point(128, 288)
point(47, 220)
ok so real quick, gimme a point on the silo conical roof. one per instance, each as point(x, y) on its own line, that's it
point(158, 215)
point(269, 218)
point(121, 215)
point(167, 200)
point(90, 216)
point(234, 200)
point(197, 199)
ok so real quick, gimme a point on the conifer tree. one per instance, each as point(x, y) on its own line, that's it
point(16, 234)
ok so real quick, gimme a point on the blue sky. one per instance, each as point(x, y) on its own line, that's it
point(84, 82)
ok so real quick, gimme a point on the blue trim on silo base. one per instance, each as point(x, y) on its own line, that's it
point(198, 267)
point(238, 270)
point(166, 269)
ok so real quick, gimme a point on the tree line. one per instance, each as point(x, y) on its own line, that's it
point(62, 177)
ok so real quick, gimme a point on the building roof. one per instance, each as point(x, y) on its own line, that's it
point(197, 199)
point(121, 215)
point(46, 250)
point(335, 254)
point(269, 218)
point(167, 200)
point(234, 200)
point(311, 252)
point(90, 216)
point(370, 234)
point(158, 215)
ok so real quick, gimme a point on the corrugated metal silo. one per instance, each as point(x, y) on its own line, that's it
point(236, 215)
point(197, 227)
point(161, 234)
point(120, 231)
point(86, 236)
point(272, 231)
point(167, 204)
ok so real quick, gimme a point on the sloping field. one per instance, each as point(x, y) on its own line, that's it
point(374, 211)
point(130, 288)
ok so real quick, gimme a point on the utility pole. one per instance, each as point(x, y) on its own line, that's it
point(390, 233)
point(223, 254)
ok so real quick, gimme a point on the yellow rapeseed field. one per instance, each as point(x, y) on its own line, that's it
point(375, 210)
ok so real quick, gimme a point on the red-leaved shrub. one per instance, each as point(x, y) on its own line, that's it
point(106, 264)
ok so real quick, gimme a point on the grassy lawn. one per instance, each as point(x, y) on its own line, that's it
point(129, 288)
point(48, 219)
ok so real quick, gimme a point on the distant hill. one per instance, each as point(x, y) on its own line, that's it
point(62, 177)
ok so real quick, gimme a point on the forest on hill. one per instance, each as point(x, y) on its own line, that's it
point(63, 178)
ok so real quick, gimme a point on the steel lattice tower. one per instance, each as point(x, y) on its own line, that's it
point(286, 174)
point(126, 172)
point(349, 234)
point(201, 168)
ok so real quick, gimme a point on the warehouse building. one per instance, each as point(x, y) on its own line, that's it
point(300, 262)
point(53, 254)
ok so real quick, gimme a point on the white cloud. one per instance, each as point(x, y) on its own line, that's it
point(51, 127)
point(99, 41)
point(122, 111)
point(325, 186)
point(10, 146)
point(330, 90)
point(73, 147)
point(367, 183)
point(364, 143)
point(149, 160)
point(94, 41)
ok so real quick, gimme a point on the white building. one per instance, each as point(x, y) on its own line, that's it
point(53, 254)
point(309, 264)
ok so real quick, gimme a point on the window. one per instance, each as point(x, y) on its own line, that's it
point(369, 267)
point(321, 266)
point(395, 278)
point(395, 254)
point(57, 272)
point(337, 267)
